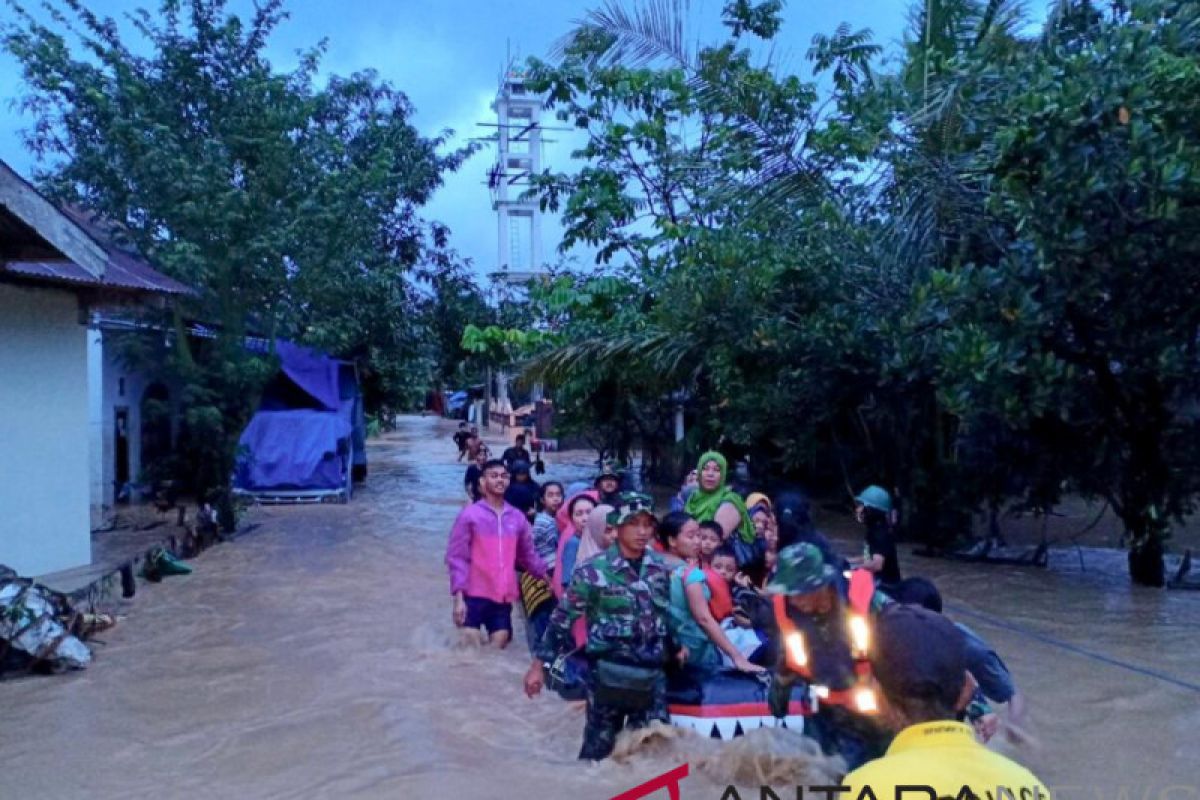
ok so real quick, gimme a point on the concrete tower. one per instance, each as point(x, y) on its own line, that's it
point(518, 156)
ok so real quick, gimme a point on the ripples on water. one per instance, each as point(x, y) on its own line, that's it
point(316, 658)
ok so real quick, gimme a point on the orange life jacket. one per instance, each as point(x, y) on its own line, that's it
point(721, 604)
point(861, 696)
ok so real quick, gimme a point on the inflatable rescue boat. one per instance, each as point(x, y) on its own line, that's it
point(730, 704)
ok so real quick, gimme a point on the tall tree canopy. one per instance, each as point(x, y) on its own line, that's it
point(969, 276)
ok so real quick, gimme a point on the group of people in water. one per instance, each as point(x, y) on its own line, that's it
point(622, 607)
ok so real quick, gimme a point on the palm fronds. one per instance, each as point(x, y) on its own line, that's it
point(660, 356)
point(639, 33)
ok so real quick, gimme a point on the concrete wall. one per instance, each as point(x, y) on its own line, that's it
point(44, 454)
point(97, 496)
point(114, 385)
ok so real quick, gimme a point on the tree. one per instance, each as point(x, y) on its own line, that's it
point(1087, 324)
point(969, 277)
point(291, 207)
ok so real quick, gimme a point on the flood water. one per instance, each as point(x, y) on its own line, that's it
point(315, 657)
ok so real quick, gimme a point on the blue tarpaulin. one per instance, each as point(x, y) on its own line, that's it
point(293, 450)
point(300, 438)
point(311, 370)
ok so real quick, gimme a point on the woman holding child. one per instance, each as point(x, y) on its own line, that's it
point(691, 596)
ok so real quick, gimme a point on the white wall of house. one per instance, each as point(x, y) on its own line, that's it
point(115, 387)
point(44, 432)
point(97, 497)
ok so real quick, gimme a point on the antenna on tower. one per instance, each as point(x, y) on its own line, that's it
point(518, 142)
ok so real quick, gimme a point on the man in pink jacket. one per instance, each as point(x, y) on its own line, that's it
point(490, 539)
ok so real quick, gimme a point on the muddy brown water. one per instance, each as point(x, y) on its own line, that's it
point(315, 657)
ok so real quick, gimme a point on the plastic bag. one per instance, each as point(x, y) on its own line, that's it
point(29, 623)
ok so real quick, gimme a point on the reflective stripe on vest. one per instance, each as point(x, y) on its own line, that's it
point(860, 697)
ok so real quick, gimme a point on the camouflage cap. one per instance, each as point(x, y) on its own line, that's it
point(609, 469)
point(632, 504)
point(800, 569)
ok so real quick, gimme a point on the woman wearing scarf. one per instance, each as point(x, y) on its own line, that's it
point(597, 536)
point(714, 500)
point(571, 519)
point(568, 673)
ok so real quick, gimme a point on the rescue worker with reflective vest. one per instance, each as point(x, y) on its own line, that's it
point(822, 638)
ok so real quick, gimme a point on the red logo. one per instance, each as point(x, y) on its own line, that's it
point(668, 780)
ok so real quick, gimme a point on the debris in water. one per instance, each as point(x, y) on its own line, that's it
point(29, 623)
point(764, 757)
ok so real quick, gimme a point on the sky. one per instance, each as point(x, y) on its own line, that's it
point(447, 55)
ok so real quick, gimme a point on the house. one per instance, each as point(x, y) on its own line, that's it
point(133, 415)
point(54, 273)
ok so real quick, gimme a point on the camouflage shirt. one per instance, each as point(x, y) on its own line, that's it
point(626, 610)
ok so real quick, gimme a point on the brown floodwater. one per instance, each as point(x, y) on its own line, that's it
point(315, 657)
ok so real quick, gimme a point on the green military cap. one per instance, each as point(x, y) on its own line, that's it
point(609, 469)
point(632, 504)
point(800, 569)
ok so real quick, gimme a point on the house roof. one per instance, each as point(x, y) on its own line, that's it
point(42, 242)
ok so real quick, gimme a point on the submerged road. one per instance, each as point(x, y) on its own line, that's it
point(315, 657)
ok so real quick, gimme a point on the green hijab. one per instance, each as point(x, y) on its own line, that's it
point(703, 505)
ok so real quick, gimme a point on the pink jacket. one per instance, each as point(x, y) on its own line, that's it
point(485, 549)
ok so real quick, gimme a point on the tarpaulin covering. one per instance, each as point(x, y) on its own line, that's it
point(295, 449)
point(311, 370)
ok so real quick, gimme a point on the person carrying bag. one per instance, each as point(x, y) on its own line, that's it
point(623, 593)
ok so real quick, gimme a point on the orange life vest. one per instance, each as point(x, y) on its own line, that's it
point(721, 604)
point(861, 696)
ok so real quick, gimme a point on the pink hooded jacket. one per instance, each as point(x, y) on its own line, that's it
point(485, 549)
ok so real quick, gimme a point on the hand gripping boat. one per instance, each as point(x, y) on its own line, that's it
point(731, 704)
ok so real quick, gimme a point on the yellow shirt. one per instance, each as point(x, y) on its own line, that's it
point(944, 756)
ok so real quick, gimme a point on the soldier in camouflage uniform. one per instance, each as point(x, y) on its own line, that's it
point(623, 593)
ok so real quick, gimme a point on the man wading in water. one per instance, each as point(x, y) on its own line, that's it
point(490, 539)
point(920, 662)
point(623, 593)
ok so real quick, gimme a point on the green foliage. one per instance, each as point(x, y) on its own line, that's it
point(290, 206)
point(971, 277)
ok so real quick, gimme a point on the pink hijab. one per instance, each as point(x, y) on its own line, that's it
point(563, 517)
point(592, 544)
point(566, 530)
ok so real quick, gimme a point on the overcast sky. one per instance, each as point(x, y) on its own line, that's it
point(447, 56)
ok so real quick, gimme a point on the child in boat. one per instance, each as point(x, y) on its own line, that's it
point(738, 626)
point(711, 537)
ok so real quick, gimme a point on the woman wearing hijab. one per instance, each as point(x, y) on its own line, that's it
point(572, 519)
point(597, 536)
point(715, 501)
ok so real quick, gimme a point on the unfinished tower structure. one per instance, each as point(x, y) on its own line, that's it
point(518, 157)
